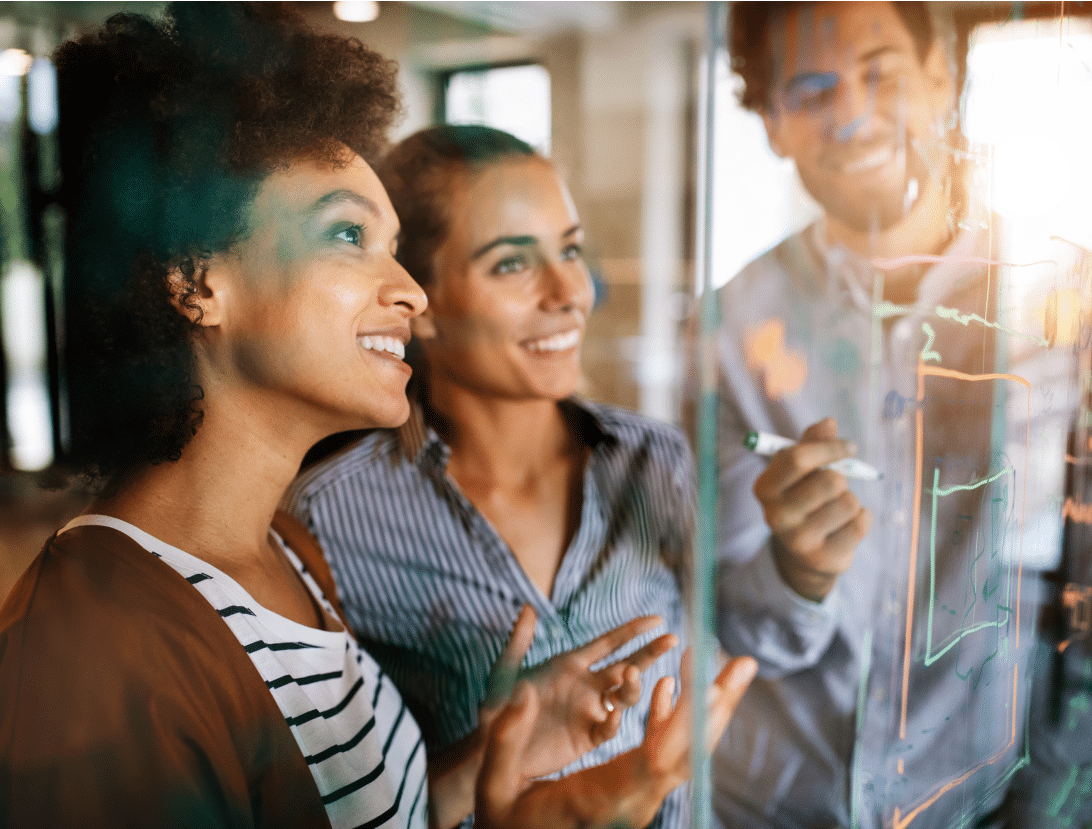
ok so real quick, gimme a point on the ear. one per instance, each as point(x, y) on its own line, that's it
point(199, 297)
point(941, 84)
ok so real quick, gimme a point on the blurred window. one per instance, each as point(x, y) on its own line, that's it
point(511, 98)
point(1024, 78)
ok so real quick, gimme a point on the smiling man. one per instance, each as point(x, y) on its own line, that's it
point(886, 614)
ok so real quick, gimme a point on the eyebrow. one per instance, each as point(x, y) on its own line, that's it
point(817, 81)
point(341, 196)
point(878, 52)
point(516, 241)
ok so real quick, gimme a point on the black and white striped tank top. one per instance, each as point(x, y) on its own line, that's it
point(359, 739)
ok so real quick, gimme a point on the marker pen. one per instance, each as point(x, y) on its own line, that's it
point(763, 443)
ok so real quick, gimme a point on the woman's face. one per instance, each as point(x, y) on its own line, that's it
point(315, 312)
point(510, 293)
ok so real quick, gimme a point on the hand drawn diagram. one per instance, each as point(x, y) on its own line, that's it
point(991, 598)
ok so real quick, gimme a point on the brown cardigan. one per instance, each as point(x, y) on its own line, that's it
point(125, 701)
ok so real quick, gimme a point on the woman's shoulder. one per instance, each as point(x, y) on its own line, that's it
point(116, 675)
point(97, 621)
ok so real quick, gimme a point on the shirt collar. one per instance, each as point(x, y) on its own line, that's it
point(417, 438)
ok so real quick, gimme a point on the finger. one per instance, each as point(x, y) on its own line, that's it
point(603, 646)
point(601, 732)
point(668, 736)
point(622, 687)
point(644, 656)
point(628, 693)
point(506, 668)
point(825, 429)
point(813, 532)
point(614, 674)
point(682, 704)
point(843, 541)
point(659, 710)
point(500, 779)
point(798, 502)
point(797, 462)
point(727, 690)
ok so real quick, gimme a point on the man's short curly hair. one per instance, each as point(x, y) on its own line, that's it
point(751, 46)
point(168, 128)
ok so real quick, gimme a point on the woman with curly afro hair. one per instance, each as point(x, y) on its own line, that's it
point(176, 656)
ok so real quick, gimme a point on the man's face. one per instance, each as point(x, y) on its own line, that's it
point(857, 110)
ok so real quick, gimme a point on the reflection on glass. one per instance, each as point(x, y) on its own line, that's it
point(931, 297)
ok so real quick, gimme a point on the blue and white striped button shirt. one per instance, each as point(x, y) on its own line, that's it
point(433, 590)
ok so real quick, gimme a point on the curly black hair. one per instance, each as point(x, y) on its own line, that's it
point(750, 44)
point(168, 127)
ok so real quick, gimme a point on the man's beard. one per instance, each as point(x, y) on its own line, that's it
point(876, 209)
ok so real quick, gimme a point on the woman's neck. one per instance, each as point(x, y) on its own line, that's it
point(522, 466)
point(217, 501)
point(498, 439)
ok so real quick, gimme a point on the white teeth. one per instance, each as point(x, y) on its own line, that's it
point(389, 344)
point(876, 158)
point(558, 342)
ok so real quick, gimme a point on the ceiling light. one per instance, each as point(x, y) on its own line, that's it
point(356, 11)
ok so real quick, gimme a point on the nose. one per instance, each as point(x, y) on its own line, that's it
point(854, 110)
point(566, 285)
point(399, 289)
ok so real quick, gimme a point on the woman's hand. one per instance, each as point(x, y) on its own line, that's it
point(578, 708)
point(625, 792)
point(663, 758)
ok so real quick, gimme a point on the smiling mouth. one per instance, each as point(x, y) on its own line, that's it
point(870, 161)
point(388, 345)
point(554, 343)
